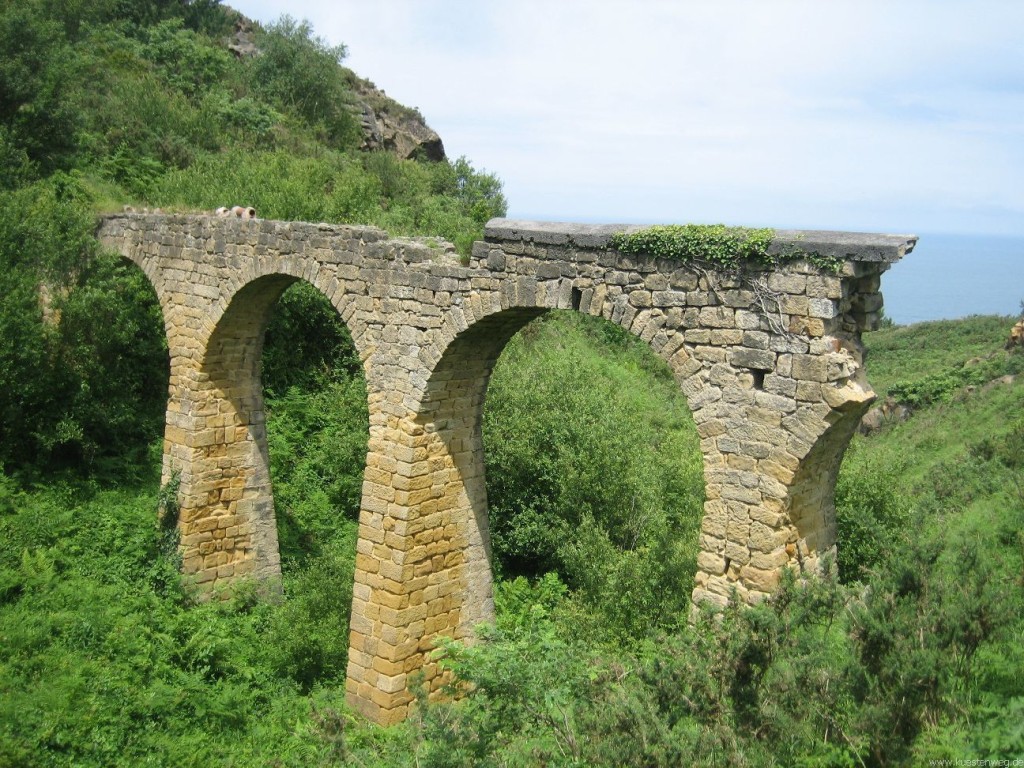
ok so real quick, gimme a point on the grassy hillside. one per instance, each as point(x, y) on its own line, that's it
point(910, 353)
point(107, 660)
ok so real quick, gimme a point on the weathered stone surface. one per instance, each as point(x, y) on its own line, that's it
point(390, 126)
point(775, 399)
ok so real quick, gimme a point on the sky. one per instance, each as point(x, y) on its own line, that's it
point(902, 116)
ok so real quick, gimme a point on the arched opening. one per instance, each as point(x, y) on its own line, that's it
point(227, 517)
point(109, 330)
point(594, 471)
point(812, 508)
point(570, 462)
point(317, 427)
point(89, 388)
point(287, 332)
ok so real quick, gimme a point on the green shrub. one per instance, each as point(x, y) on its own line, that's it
point(307, 637)
point(87, 387)
point(317, 442)
point(941, 385)
point(716, 244)
point(37, 87)
point(872, 514)
point(306, 343)
point(298, 72)
point(183, 59)
point(590, 473)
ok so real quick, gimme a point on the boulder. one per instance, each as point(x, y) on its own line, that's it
point(890, 411)
point(1016, 339)
point(393, 127)
point(243, 42)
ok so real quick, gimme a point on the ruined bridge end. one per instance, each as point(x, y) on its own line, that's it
point(771, 363)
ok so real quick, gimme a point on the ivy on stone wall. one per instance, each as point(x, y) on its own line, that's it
point(716, 245)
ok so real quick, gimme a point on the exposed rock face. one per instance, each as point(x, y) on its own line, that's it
point(243, 42)
point(393, 127)
point(387, 125)
point(1016, 336)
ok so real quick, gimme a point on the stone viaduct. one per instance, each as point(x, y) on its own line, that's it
point(771, 365)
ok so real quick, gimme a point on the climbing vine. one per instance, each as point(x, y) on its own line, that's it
point(715, 245)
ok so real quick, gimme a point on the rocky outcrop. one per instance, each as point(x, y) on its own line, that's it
point(890, 411)
point(387, 125)
point(242, 42)
point(1016, 339)
point(393, 127)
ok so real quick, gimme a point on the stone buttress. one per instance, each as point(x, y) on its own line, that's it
point(770, 362)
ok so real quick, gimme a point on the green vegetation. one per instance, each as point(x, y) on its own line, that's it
point(716, 245)
point(595, 482)
point(592, 477)
point(907, 364)
point(83, 361)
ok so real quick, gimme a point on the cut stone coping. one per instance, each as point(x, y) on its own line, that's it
point(855, 246)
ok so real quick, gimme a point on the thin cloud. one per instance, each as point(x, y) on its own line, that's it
point(858, 114)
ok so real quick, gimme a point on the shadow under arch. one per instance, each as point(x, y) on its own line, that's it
point(217, 441)
point(812, 505)
point(452, 409)
point(447, 511)
point(113, 322)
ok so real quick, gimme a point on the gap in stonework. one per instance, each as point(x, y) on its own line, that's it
point(317, 429)
point(594, 474)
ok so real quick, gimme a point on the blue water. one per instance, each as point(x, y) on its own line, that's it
point(950, 276)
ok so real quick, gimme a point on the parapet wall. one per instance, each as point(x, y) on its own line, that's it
point(856, 287)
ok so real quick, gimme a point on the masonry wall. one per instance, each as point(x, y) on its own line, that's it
point(771, 364)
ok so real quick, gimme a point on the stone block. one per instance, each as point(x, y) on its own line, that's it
point(760, 580)
point(757, 359)
point(711, 564)
point(782, 282)
point(823, 308)
point(809, 368)
point(819, 286)
point(718, 317)
point(726, 336)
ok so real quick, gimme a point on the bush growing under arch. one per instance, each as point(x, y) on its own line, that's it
point(86, 388)
point(591, 476)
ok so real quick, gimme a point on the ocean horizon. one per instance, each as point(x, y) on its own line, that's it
point(947, 276)
point(950, 276)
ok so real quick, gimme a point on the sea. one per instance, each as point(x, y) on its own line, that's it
point(951, 276)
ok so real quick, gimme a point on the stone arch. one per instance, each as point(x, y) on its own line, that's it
point(424, 569)
point(650, 324)
point(451, 407)
point(169, 308)
point(812, 508)
point(452, 410)
point(217, 443)
point(239, 287)
point(153, 386)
